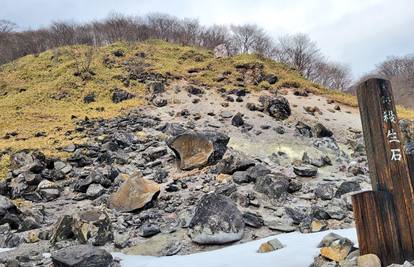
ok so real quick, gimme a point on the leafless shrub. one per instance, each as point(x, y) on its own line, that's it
point(83, 61)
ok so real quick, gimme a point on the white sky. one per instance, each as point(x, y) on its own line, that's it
point(360, 33)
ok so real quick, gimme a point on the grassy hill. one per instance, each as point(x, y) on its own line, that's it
point(42, 95)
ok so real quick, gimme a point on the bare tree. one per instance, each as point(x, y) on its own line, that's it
point(188, 32)
point(63, 33)
point(331, 75)
point(215, 35)
point(299, 52)
point(400, 70)
point(394, 66)
point(162, 26)
point(249, 38)
point(6, 26)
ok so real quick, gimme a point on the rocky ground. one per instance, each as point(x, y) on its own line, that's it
point(196, 169)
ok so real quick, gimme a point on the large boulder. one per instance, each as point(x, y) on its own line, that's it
point(221, 51)
point(216, 221)
point(89, 226)
point(276, 106)
point(198, 149)
point(234, 162)
point(83, 255)
point(135, 193)
point(93, 227)
point(274, 186)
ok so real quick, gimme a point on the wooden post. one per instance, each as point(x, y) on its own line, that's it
point(374, 211)
point(388, 170)
point(410, 159)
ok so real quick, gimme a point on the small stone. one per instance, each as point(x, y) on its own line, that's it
point(253, 220)
point(237, 120)
point(281, 226)
point(321, 131)
point(270, 246)
point(369, 260)
point(335, 247)
point(325, 191)
point(305, 170)
point(94, 191)
point(32, 237)
point(317, 226)
point(121, 240)
point(148, 230)
point(347, 187)
point(172, 248)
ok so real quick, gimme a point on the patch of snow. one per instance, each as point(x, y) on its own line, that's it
point(218, 238)
point(5, 249)
point(299, 251)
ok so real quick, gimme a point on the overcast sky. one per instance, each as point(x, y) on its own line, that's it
point(360, 33)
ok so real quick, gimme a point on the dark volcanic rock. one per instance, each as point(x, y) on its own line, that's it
point(156, 88)
point(120, 95)
point(321, 131)
point(172, 129)
point(216, 221)
point(296, 215)
point(234, 162)
point(274, 186)
point(303, 129)
point(271, 78)
point(253, 220)
point(237, 120)
point(83, 255)
point(276, 106)
point(195, 90)
point(93, 227)
point(325, 191)
point(148, 230)
point(89, 98)
point(305, 170)
point(347, 187)
point(251, 174)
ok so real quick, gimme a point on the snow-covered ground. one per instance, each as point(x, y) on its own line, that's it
point(5, 249)
point(299, 251)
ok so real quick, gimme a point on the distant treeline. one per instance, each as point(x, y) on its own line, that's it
point(298, 51)
point(400, 71)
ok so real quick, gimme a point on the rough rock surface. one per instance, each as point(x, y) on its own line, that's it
point(82, 255)
point(216, 221)
point(195, 150)
point(135, 193)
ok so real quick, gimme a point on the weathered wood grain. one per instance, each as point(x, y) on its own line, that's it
point(377, 227)
point(387, 172)
point(410, 160)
